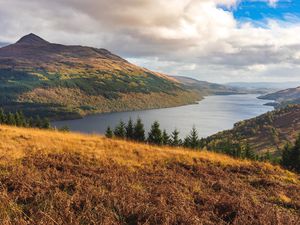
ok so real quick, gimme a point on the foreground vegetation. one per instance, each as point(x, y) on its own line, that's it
point(289, 158)
point(50, 177)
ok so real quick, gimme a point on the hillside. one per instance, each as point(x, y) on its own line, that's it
point(49, 177)
point(266, 133)
point(207, 88)
point(60, 81)
point(284, 97)
point(261, 87)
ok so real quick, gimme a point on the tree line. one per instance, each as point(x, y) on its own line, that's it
point(157, 136)
point(20, 120)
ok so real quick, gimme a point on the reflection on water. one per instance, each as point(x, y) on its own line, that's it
point(213, 114)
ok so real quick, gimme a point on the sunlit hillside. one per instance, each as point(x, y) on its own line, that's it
point(50, 177)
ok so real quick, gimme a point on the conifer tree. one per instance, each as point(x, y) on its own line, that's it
point(155, 134)
point(192, 141)
point(2, 117)
point(130, 130)
point(109, 132)
point(11, 120)
point(165, 138)
point(46, 123)
point(19, 118)
point(175, 138)
point(139, 131)
point(31, 122)
point(38, 122)
point(291, 156)
point(120, 130)
point(23, 119)
point(249, 153)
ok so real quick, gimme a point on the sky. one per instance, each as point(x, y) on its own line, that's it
point(215, 40)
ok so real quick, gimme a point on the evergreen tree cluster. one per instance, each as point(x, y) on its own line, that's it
point(18, 119)
point(157, 136)
point(291, 156)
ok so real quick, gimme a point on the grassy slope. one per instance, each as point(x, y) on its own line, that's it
point(268, 132)
point(65, 178)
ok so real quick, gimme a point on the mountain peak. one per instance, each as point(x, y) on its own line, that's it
point(32, 39)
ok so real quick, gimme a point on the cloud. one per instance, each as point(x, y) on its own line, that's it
point(273, 3)
point(188, 37)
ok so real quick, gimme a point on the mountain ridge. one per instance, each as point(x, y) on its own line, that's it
point(34, 70)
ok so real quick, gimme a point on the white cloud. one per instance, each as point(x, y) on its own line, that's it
point(273, 3)
point(188, 37)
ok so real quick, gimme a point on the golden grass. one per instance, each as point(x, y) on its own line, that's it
point(15, 143)
point(50, 177)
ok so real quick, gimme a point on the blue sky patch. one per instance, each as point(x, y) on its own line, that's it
point(260, 10)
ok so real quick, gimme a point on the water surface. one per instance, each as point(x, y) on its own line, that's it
point(211, 115)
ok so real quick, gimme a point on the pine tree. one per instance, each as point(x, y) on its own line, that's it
point(30, 122)
point(165, 138)
point(18, 119)
point(23, 119)
point(130, 130)
point(192, 141)
point(155, 134)
point(249, 154)
point(139, 131)
point(38, 122)
point(2, 117)
point(291, 156)
point(295, 156)
point(120, 130)
point(175, 138)
point(109, 133)
point(11, 120)
point(46, 123)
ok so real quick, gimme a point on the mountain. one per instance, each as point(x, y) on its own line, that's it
point(60, 81)
point(206, 88)
point(263, 87)
point(266, 133)
point(50, 177)
point(284, 97)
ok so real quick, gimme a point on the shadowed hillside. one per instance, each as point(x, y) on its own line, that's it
point(50, 177)
point(266, 133)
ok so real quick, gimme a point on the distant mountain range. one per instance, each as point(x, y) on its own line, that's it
point(284, 97)
point(262, 86)
point(207, 88)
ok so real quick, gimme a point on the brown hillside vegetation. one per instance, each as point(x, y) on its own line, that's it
point(267, 132)
point(48, 177)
